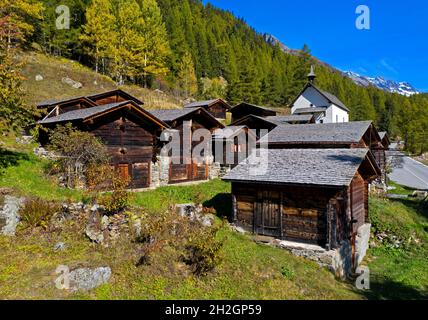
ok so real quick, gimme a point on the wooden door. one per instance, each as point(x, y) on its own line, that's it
point(124, 170)
point(267, 214)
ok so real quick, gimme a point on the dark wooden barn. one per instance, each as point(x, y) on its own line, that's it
point(244, 109)
point(57, 107)
point(259, 124)
point(184, 168)
point(236, 143)
point(315, 196)
point(386, 142)
point(129, 132)
point(379, 153)
point(216, 107)
point(355, 134)
point(113, 96)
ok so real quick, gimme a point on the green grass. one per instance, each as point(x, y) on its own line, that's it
point(214, 194)
point(25, 173)
point(399, 189)
point(248, 271)
point(399, 273)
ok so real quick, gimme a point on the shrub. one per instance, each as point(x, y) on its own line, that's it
point(105, 178)
point(37, 212)
point(78, 152)
point(191, 242)
point(203, 251)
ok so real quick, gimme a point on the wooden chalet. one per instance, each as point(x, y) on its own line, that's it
point(244, 109)
point(56, 107)
point(216, 107)
point(129, 132)
point(386, 142)
point(256, 123)
point(355, 134)
point(183, 169)
point(113, 96)
point(314, 196)
point(236, 143)
point(380, 154)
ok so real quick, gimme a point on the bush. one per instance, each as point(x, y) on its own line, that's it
point(78, 152)
point(37, 212)
point(179, 239)
point(105, 178)
point(203, 251)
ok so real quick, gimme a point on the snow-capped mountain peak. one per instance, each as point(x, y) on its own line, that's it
point(403, 88)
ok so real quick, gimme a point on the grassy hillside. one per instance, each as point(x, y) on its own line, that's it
point(54, 69)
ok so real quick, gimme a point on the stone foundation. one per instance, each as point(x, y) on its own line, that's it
point(339, 260)
point(159, 172)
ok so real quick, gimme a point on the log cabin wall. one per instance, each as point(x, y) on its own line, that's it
point(218, 110)
point(190, 171)
point(130, 146)
point(294, 213)
point(380, 157)
point(108, 99)
point(358, 191)
point(243, 112)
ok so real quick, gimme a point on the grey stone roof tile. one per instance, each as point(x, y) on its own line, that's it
point(326, 167)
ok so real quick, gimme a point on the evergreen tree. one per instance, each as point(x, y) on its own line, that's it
point(99, 35)
point(17, 20)
point(14, 114)
point(187, 80)
point(155, 48)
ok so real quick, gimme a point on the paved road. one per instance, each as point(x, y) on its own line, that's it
point(408, 172)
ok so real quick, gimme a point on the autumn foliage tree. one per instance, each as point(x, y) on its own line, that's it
point(15, 26)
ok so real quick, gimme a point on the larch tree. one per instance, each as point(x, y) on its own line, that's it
point(187, 80)
point(155, 46)
point(127, 56)
point(16, 20)
point(99, 35)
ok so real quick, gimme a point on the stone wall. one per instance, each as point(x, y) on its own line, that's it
point(339, 261)
point(362, 243)
point(159, 172)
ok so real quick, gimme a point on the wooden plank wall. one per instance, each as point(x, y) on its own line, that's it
point(128, 142)
point(218, 110)
point(358, 201)
point(303, 209)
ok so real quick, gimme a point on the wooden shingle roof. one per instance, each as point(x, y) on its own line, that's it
point(318, 167)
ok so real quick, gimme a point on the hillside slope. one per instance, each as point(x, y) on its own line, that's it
point(54, 69)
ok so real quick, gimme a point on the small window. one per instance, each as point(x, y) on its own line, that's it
point(337, 118)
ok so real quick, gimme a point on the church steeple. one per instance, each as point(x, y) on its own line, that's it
point(312, 75)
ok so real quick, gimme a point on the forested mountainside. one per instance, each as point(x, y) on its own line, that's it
point(192, 50)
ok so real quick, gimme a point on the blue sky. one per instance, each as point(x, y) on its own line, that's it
point(395, 47)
